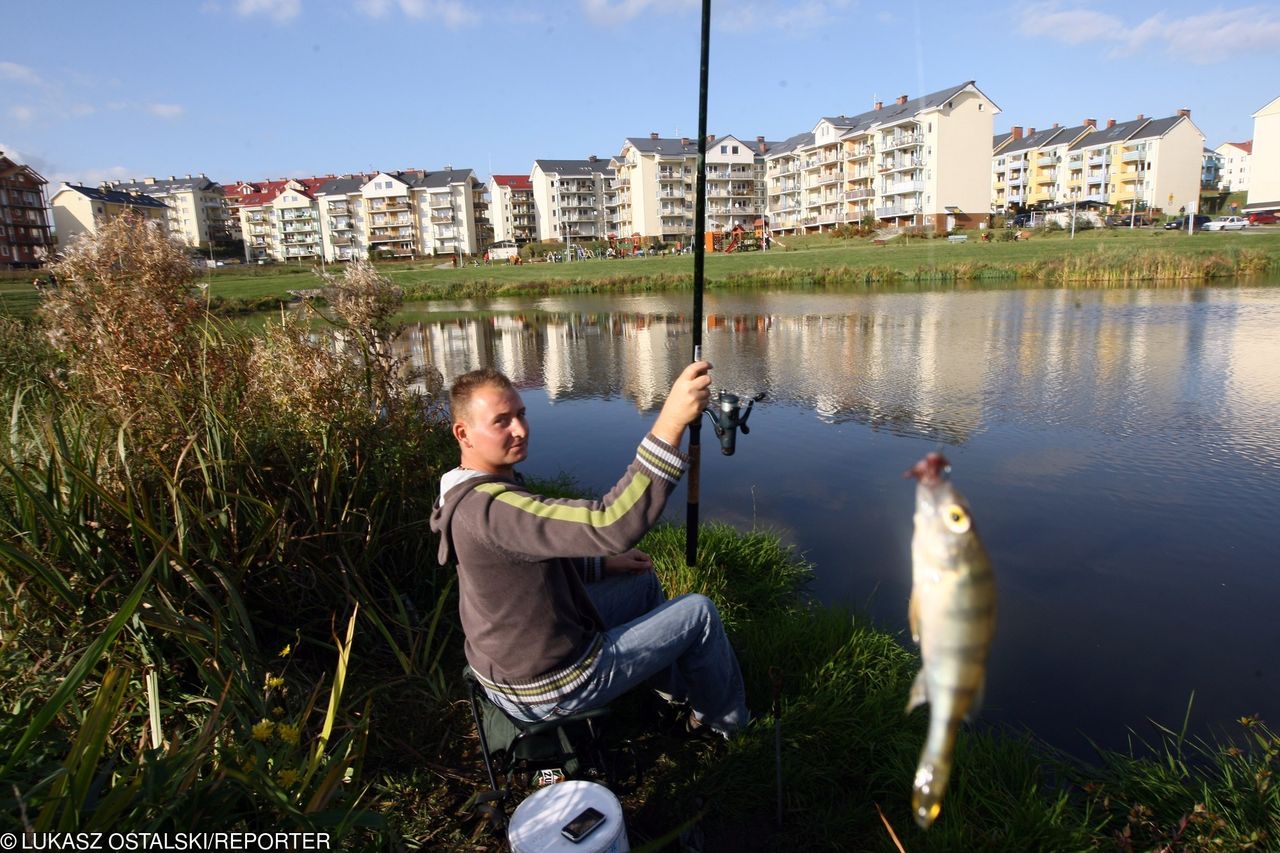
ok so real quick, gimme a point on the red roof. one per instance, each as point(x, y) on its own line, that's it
point(1246, 147)
point(516, 182)
point(266, 191)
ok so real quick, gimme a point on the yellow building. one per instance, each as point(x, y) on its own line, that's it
point(83, 210)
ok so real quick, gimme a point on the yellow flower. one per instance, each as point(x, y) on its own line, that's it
point(287, 733)
point(286, 651)
point(262, 731)
point(287, 778)
point(277, 711)
point(274, 681)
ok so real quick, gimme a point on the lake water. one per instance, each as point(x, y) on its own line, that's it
point(1120, 449)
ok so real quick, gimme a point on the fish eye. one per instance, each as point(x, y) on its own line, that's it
point(956, 519)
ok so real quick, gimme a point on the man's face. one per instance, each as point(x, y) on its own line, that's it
point(494, 435)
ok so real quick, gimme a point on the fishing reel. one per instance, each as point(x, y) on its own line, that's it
point(728, 415)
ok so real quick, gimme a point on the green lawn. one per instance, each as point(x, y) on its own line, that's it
point(804, 259)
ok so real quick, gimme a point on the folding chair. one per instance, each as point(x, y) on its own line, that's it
point(571, 745)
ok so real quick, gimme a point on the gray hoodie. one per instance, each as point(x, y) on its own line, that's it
point(532, 632)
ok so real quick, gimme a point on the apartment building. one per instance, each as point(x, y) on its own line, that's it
point(1145, 162)
point(512, 211)
point(1233, 176)
point(261, 207)
point(1210, 170)
point(198, 214)
point(1264, 184)
point(82, 210)
point(25, 236)
point(921, 162)
point(654, 191)
point(569, 197)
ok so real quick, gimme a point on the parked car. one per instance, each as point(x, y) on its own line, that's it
point(1140, 220)
point(1227, 223)
point(1022, 220)
point(1263, 217)
point(1180, 224)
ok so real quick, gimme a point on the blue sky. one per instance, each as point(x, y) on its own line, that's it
point(267, 88)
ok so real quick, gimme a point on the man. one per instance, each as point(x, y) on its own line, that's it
point(560, 613)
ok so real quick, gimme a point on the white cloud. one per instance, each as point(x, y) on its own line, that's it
point(613, 12)
point(22, 114)
point(1204, 38)
point(21, 73)
point(279, 10)
point(165, 110)
point(451, 13)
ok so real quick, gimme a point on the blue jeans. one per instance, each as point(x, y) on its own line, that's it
point(677, 646)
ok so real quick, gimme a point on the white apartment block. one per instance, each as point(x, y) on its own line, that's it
point(655, 189)
point(197, 214)
point(83, 210)
point(569, 196)
point(920, 162)
point(512, 211)
point(388, 215)
point(1264, 185)
point(1233, 174)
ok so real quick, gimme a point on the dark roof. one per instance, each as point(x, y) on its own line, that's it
point(1157, 127)
point(791, 143)
point(1000, 138)
point(343, 186)
point(890, 113)
point(1033, 140)
point(151, 186)
point(662, 145)
point(116, 196)
point(576, 168)
point(1105, 135)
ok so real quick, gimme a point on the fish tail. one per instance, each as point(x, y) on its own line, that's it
point(933, 771)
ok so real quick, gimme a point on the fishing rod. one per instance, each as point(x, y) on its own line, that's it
point(727, 413)
point(699, 264)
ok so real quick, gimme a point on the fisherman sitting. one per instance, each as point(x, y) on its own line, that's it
point(560, 612)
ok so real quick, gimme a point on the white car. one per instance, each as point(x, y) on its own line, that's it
point(1227, 223)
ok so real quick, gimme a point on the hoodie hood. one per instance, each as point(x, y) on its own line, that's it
point(454, 486)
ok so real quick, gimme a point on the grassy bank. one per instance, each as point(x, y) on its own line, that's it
point(222, 611)
point(1100, 257)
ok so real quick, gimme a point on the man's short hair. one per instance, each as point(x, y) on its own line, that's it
point(466, 384)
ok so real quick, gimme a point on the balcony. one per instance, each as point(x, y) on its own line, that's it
point(903, 141)
point(1046, 161)
point(904, 187)
point(438, 201)
point(889, 212)
point(863, 151)
point(1017, 182)
point(1099, 160)
point(864, 192)
point(1134, 156)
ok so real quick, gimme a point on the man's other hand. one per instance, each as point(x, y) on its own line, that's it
point(689, 396)
point(633, 562)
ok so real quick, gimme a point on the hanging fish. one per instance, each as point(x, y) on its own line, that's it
point(953, 617)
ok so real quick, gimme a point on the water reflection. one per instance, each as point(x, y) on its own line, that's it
point(1120, 447)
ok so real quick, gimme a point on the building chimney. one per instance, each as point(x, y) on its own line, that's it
point(1111, 123)
point(902, 99)
point(711, 137)
point(1184, 112)
point(879, 105)
point(148, 180)
point(1055, 125)
point(1091, 122)
point(1141, 117)
point(653, 135)
point(593, 158)
point(1031, 131)
point(684, 140)
point(1016, 131)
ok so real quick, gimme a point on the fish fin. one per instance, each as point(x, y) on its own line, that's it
point(975, 705)
point(919, 693)
point(913, 617)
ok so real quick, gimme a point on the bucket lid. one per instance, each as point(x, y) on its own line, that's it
point(535, 824)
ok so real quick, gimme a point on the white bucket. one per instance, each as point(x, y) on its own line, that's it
point(535, 826)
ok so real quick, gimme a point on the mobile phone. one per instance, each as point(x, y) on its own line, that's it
point(582, 825)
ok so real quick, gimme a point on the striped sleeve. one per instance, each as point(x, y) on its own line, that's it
point(519, 522)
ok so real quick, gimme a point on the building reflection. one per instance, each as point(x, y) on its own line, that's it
point(930, 365)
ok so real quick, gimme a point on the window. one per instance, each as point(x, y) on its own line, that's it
point(724, 149)
point(735, 149)
point(979, 106)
